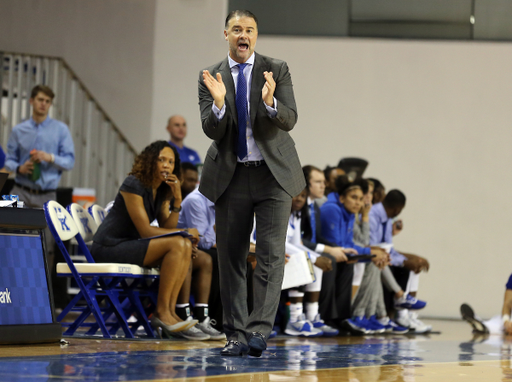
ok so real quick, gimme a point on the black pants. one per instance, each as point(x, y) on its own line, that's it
point(402, 277)
point(336, 293)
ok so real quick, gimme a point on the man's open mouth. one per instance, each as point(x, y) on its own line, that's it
point(243, 46)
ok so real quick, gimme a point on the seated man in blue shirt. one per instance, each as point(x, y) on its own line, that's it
point(199, 211)
point(39, 150)
point(190, 178)
point(381, 227)
point(2, 159)
point(177, 128)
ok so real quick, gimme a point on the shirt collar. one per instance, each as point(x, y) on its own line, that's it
point(310, 201)
point(42, 124)
point(233, 63)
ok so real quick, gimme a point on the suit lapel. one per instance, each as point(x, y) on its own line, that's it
point(256, 85)
point(227, 78)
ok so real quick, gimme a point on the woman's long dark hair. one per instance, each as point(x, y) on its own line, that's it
point(144, 165)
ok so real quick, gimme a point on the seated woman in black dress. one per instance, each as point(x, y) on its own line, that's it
point(146, 194)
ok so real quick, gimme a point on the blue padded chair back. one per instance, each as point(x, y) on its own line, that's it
point(85, 223)
point(59, 221)
point(98, 213)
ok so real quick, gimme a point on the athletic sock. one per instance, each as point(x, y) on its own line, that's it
point(295, 311)
point(384, 320)
point(311, 310)
point(402, 313)
point(183, 311)
point(200, 312)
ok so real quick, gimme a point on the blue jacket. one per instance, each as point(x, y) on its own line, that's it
point(338, 224)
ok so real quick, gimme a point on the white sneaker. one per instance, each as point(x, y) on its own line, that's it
point(302, 327)
point(416, 325)
point(207, 328)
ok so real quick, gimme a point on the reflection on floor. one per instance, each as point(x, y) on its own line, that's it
point(452, 355)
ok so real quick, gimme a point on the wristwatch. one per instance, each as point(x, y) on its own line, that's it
point(174, 209)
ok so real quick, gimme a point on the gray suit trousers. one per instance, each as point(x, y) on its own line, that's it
point(252, 191)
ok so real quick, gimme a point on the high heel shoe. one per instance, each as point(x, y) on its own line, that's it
point(191, 322)
point(157, 324)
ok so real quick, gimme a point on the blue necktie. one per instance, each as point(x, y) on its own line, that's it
point(313, 222)
point(241, 108)
point(384, 229)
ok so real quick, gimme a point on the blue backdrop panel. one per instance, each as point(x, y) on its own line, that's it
point(24, 297)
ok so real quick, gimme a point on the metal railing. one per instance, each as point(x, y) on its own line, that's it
point(103, 155)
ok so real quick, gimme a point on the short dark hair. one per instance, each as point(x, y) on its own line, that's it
point(394, 199)
point(46, 90)
point(307, 170)
point(240, 13)
point(376, 183)
point(363, 183)
point(327, 171)
point(341, 183)
point(188, 166)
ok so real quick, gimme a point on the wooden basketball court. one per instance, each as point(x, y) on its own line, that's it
point(452, 355)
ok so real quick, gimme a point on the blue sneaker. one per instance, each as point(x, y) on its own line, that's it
point(327, 330)
point(409, 302)
point(356, 325)
point(272, 334)
point(375, 325)
point(392, 327)
point(302, 328)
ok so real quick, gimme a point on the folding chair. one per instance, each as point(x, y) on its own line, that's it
point(112, 292)
point(98, 213)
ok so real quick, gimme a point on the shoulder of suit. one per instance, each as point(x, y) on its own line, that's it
point(270, 60)
point(216, 66)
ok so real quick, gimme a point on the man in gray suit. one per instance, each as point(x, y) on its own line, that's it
point(252, 168)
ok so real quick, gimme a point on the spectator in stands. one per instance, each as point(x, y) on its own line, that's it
point(190, 177)
point(177, 128)
point(150, 192)
point(496, 325)
point(338, 216)
point(381, 219)
point(38, 151)
point(198, 211)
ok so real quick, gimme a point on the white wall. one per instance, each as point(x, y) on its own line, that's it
point(109, 45)
point(431, 117)
point(188, 37)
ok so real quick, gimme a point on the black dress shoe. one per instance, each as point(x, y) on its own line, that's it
point(468, 314)
point(257, 344)
point(234, 348)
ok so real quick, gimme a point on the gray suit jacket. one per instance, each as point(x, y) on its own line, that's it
point(271, 134)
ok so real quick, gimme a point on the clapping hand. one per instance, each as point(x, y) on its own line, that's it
point(267, 93)
point(216, 87)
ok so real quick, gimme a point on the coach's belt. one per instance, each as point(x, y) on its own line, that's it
point(256, 163)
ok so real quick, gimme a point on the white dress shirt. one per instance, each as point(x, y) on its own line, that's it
point(253, 152)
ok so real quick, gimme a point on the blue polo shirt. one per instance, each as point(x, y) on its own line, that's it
point(187, 154)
